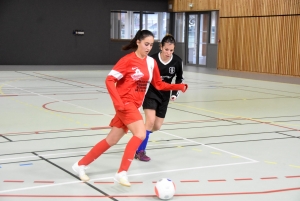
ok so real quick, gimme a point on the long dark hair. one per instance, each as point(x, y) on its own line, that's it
point(167, 39)
point(140, 35)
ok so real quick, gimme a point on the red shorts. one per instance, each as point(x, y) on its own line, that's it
point(123, 118)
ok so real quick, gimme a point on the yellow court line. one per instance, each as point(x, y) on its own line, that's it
point(270, 162)
point(295, 166)
point(235, 116)
point(197, 150)
point(235, 156)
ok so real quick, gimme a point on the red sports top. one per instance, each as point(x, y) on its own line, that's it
point(129, 80)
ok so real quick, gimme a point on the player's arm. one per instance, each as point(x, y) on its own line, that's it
point(112, 78)
point(160, 85)
point(179, 79)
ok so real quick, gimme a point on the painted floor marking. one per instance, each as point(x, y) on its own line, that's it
point(78, 106)
point(182, 181)
point(132, 175)
point(154, 196)
point(252, 160)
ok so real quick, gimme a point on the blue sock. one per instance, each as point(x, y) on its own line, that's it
point(145, 142)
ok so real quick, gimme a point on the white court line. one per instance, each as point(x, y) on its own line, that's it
point(132, 175)
point(75, 152)
point(78, 106)
point(209, 146)
point(149, 173)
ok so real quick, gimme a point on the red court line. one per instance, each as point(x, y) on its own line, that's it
point(207, 120)
point(189, 181)
point(144, 196)
point(217, 180)
point(183, 181)
point(46, 108)
point(269, 178)
point(243, 179)
point(83, 129)
point(99, 128)
point(71, 80)
point(298, 176)
point(48, 94)
point(55, 131)
point(263, 122)
point(14, 181)
point(49, 182)
point(103, 182)
point(7, 95)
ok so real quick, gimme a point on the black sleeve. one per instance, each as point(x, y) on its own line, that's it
point(179, 77)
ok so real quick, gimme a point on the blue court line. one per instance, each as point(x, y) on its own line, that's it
point(26, 164)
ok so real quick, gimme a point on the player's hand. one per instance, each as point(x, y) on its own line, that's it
point(173, 98)
point(185, 88)
point(119, 107)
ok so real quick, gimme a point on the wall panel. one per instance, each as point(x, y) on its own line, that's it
point(260, 44)
point(239, 7)
point(183, 5)
point(258, 7)
point(256, 35)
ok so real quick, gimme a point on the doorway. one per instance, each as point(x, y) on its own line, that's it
point(200, 36)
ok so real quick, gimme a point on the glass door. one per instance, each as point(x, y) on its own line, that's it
point(197, 38)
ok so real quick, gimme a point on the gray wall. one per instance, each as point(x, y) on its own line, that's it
point(39, 32)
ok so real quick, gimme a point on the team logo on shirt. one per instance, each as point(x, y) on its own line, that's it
point(137, 75)
point(172, 70)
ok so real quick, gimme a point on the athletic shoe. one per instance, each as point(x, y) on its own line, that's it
point(79, 169)
point(122, 178)
point(141, 155)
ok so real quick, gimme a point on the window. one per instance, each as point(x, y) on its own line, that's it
point(179, 27)
point(157, 23)
point(125, 24)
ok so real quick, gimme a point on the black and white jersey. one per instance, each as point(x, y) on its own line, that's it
point(167, 72)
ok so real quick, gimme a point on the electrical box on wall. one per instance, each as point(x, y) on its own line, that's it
point(78, 32)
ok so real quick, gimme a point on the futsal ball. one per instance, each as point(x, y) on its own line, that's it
point(165, 189)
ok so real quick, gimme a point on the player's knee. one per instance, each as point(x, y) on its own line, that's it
point(156, 128)
point(112, 141)
point(141, 136)
point(149, 126)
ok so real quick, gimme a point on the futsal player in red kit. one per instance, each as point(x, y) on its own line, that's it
point(127, 83)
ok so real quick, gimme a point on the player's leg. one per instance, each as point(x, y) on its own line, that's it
point(138, 130)
point(111, 139)
point(149, 107)
point(161, 112)
point(133, 120)
point(154, 120)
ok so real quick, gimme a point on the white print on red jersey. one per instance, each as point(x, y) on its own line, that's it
point(137, 75)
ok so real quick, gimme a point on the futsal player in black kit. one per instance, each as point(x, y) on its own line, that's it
point(156, 102)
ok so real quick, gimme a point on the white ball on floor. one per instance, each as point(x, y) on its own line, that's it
point(165, 189)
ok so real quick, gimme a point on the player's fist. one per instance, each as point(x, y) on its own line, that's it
point(184, 88)
point(173, 98)
point(119, 107)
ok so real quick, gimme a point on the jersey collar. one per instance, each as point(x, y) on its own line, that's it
point(165, 63)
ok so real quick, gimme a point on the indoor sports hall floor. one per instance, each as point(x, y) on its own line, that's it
point(232, 136)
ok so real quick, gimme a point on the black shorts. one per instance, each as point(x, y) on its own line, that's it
point(160, 108)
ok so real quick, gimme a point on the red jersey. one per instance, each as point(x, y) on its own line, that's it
point(132, 76)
